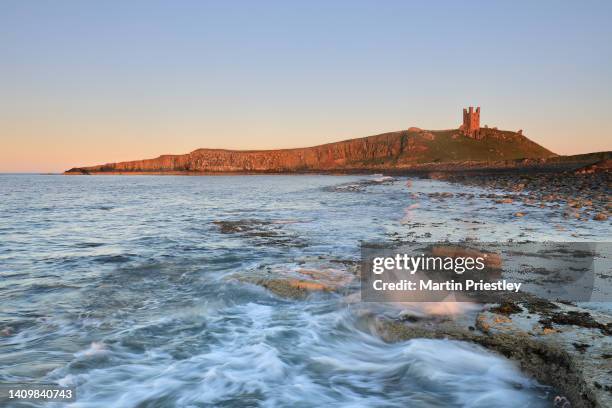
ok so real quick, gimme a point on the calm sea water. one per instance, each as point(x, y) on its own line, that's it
point(122, 286)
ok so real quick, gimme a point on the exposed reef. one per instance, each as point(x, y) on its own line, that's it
point(559, 344)
point(573, 191)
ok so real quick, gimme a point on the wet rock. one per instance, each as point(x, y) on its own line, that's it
point(261, 232)
point(570, 358)
point(290, 288)
point(561, 402)
point(232, 227)
point(529, 201)
point(441, 195)
point(507, 308)
point(540, 306)
point(581, 347)
point(360, 186)
point(6, 332)
point(575, 318)
point(299, 283)
point(600, 217)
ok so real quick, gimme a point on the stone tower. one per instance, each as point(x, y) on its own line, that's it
point(471, 122)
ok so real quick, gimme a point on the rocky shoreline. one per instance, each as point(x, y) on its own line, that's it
point(560, 344)
point(582, 193)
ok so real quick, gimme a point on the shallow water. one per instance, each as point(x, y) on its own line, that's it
point(121, 286)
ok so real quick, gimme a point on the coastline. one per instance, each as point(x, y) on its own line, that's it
point(561, 344)
point(554, 337)
point(553, 164)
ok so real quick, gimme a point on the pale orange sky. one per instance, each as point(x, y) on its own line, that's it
point(48, 145)
point(85, 83)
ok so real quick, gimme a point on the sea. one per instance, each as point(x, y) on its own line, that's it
point(130, 290)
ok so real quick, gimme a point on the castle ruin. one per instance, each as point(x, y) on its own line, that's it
point(471, 123)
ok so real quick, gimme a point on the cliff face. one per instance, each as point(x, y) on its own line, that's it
point(388, 150)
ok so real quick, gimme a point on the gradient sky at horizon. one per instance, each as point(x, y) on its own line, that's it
point(85, 83)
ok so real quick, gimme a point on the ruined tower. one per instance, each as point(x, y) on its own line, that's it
point(471, 122)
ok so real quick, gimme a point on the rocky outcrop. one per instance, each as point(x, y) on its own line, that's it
point(389, 150)
point(601, 166)
point(559, 344)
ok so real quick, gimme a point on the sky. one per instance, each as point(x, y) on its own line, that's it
point(90, 82)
